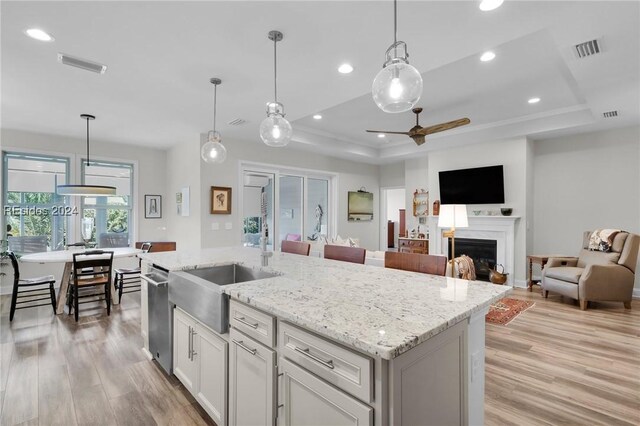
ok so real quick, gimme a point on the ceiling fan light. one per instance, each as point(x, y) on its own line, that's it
point(397, 87)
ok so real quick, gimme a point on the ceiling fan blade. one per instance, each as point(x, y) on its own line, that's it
point(387, 133)
point(443, 126)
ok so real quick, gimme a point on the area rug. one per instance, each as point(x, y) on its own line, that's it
point(505, 310)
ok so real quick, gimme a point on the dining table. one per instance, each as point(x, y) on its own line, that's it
point(66, 257)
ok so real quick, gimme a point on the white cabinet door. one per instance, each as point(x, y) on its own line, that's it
point(251, 381)
point(308, 400)
point(211, 355)
point(184, 364)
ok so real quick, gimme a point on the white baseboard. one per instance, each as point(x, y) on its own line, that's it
point(636, 293)
point(520, 283)
point(147, 353)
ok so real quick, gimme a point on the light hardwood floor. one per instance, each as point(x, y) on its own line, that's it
point(554, 364)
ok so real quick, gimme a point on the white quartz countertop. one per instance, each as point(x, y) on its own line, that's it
point(383, 312)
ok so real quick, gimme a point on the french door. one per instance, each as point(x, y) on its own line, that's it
point(293, 204)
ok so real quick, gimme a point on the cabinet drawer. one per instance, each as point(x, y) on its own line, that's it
point(253, 323)
point(308, 401)
point(339, 366)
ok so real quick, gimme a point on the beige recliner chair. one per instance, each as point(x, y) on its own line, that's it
point(595, 275)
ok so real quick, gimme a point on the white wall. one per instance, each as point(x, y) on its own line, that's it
point(150, 180)
point(351, 177)
point(392, 175)
point(183, 170)
point(512, 154)
point(584, 182)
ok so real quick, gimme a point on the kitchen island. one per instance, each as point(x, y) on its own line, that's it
point(357, 344)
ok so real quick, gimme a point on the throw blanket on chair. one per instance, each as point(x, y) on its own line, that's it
point(602, 239)
point(466, 270)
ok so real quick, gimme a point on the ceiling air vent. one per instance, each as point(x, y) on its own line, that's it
point(81, 63)
point(237, 122)
point(610, 114)
point(588, 48)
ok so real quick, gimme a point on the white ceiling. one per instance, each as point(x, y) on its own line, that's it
point(156, 91)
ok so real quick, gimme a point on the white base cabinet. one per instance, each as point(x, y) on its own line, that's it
point(307, 400)
point(200, 361)
point(252, 384)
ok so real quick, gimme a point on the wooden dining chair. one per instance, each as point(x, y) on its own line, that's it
point(37, 287)
point(295, 247)
point(129, 278)
point(345, 253)
point(416, 262)
point(90, 269)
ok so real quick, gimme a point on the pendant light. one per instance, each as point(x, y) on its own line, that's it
point(275, 130)
point(398, 85)
point(86, 190)
point(213, 151)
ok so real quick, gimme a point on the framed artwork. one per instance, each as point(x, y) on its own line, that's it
point(152, 206)
point(220, 200)
point(360, 206)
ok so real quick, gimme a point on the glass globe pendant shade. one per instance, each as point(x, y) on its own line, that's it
point(397, 87)
point(213, 151)
point(275, 130)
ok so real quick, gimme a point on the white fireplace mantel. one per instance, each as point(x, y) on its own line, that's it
point(498, 228)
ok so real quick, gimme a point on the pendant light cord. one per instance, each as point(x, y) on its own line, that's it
point(215, 93)
point(88, 163)
point(395, 21)
point(275, 70)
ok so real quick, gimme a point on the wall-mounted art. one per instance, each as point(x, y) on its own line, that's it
point(360, 206)
point(153, 206)
point(220, 200)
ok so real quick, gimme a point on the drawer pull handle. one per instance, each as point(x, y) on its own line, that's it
point(305, 352)
point(246, 348)
point(245, 322)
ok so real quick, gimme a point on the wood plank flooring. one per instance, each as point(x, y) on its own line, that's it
point(554, 364)
point(54, 371)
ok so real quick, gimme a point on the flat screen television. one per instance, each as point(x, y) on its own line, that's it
point(480, 185)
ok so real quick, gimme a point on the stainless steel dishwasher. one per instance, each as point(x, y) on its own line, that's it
point(160, 317)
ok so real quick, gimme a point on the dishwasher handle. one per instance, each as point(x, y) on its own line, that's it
point(151, 281)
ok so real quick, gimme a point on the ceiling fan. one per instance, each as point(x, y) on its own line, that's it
point(418, 133)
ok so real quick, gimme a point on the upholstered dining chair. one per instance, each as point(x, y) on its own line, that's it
point(295, 247)
point(595, 275)
point(345, 253)
point(416, 262)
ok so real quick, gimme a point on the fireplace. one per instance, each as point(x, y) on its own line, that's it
point(483, 252)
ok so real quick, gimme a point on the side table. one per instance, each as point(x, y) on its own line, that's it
point(542, 260)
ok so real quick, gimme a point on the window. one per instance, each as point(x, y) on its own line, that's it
point(37, 218)
point(107, 220)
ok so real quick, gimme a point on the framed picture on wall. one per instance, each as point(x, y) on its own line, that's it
point(153, 206)
point(360, 206)
point(220, 200)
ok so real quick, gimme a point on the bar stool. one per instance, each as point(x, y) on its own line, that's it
point(344, 253)
point(35, 284)
point(130, 278)
point(90, 269)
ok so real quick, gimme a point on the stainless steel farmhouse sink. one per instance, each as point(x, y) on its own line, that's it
point(199, 291)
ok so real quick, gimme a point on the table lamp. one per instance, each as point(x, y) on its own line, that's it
point(452, 216)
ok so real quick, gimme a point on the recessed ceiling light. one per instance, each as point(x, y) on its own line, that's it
point(487, 5)
point(534, 100)
point(381, 135)
point(38, 34)
point(317, 117)
point(345, 69)
point(487, 56)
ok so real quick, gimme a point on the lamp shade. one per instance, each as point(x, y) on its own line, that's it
point(453, 216)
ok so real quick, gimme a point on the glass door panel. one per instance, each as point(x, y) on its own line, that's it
point(317, 208)
point(291, 208)
point(256, 184)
